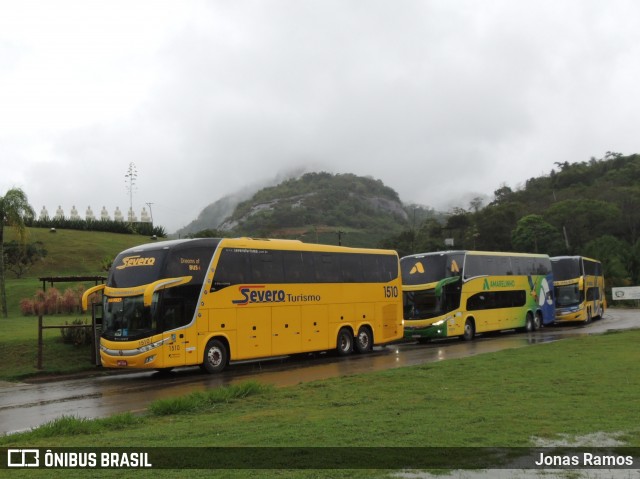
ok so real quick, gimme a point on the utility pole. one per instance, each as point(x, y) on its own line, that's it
point(566, 238)
point(150, 213)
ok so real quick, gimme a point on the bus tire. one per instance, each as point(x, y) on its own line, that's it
point(537, 321)
point(364, 340)
point(528, 323)
point(344, 344)
point(216, 356)
point(469, 330)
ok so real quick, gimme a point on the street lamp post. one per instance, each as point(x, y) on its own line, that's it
point(150, 213)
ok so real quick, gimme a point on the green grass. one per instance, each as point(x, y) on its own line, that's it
point(575, 387)
point(207, 400)
point(20, 349)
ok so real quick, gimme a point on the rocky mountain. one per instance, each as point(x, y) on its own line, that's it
point(315, 207)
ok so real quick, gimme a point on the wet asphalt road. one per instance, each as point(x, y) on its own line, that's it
point(23, 406)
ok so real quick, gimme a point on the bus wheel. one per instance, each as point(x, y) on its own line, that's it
point(529, 323)
point(537, 321)
point(364, 340)
point(216, 356)
point(345, 342)
point(469, 330)
point(589, 317)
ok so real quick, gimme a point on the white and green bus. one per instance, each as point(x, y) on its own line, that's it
point(461, 293)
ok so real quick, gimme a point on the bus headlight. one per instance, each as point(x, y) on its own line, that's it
point(149, 359)
point(442, 321)
point(149, 347)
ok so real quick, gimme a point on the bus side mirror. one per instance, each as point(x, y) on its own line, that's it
point(87, 293)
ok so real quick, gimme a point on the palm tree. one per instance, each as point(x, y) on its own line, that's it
point(14, 210)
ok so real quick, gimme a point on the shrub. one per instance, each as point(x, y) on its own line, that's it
point(71, 300)
point(27, 307)
point(52, 302)
point(77, 336)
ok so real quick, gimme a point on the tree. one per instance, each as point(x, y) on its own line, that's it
point(495, 224)
point(476, 203)
point(616, 256)
point(14, 211)
point(19, 258)
point(584, 219)
point(628, 200)
point(502, 194)
point(533, 234)
point(458, 222)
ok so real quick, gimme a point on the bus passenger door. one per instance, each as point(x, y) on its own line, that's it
point(173, 349)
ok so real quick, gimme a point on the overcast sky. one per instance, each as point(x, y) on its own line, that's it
point(440, 99)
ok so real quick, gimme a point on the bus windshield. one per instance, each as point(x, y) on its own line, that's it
point(565, 269)
point(569, 295)
point(126, 317)
point(430, 268)
point(442, 271)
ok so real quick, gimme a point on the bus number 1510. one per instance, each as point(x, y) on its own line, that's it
point(390, 291)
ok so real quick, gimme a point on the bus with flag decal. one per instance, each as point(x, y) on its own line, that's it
point(463, 293)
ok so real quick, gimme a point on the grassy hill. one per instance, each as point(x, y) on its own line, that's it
point(69, 253)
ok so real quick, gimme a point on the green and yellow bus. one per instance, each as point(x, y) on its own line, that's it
point(579, 288)
point(210, 301)
point(461, 293)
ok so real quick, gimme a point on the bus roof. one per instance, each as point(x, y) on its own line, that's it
point(560, 258)
point(251, 243)
point(478, 253)
point(172, 244)
point(433, 253)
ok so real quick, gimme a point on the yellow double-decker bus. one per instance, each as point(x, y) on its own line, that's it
point(579, 288)
point(461, 293)
point(211, 301)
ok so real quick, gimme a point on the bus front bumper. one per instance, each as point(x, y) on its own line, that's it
point(427, 332)
point(138, 361)
point(570, 315)
point(114, 355)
